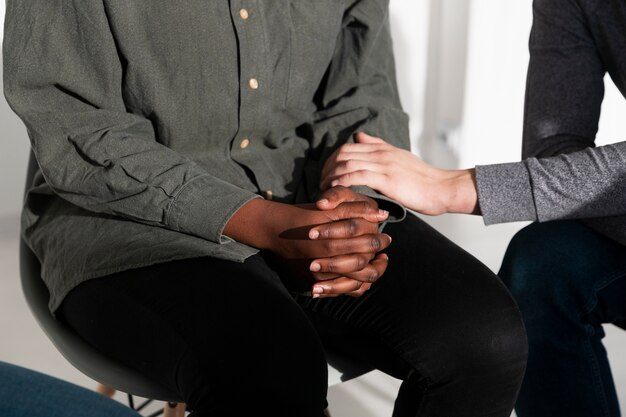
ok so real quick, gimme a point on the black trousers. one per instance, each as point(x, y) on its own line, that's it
point(234, 342)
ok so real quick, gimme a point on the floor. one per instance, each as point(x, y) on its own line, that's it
point(371, 395)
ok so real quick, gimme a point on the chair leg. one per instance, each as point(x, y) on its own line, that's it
point(174, 410)
point(104, 390)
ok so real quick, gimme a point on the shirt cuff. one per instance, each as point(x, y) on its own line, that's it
point(204, 206)
point(505, 193)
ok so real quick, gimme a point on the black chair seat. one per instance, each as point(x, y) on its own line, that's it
point(78, 352)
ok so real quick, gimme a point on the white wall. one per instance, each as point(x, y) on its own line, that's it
point(496, 73)
point(409, 24)
point(494, 101)
point(613, 120)
point(445, 81)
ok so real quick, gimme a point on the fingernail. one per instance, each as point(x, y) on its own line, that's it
point(314, 234)
point(315, 267)
point(383, 213)
point(334, 183)
point(318, 290)
point(316, 296)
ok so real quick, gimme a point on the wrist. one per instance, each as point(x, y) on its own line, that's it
point(461, 193)
point(254, 224)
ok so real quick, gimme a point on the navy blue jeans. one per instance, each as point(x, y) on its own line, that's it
point(28, 393)
point(568, 280)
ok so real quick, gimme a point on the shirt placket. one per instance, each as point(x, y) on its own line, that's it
point(254, 92)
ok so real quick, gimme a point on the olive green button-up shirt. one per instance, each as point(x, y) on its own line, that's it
point(154, 121)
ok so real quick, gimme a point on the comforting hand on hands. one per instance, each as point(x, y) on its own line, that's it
point(334, 247)
point(402, 176)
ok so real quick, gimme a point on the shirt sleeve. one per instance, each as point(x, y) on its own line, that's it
point(565, 83)
point(63, 77)
point(359, 93)
point(563, 176)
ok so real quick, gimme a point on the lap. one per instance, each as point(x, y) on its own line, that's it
point(211, 329)
point(433, 300)
point(435, 307)
point(567, 265)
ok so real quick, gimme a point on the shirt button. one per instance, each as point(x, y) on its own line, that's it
point(243, 13)
point(269, 195)
point(244, 143)
point(253, 83)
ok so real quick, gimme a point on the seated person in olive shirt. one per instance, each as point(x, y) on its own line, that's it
point(567, 270)
point(180, 148)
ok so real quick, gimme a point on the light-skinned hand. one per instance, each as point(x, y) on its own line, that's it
point(401, 176)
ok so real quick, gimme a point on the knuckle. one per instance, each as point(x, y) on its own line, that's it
point(331, 267)
point(351, 164)
point(374, 243)
point(372, 276)
point(361, 262)
point(331, 194)
point(342, 211)
point(352, 227)
point(370, 203)
point(363, 206)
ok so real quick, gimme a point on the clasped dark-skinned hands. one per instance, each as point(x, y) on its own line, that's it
point(329, 248)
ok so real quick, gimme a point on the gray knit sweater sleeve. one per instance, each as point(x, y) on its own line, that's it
point(585, 184)
point(563, 176)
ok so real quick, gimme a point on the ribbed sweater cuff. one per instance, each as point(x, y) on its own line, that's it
point(505, 193)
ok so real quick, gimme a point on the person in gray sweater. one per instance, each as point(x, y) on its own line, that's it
point(567, 270)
